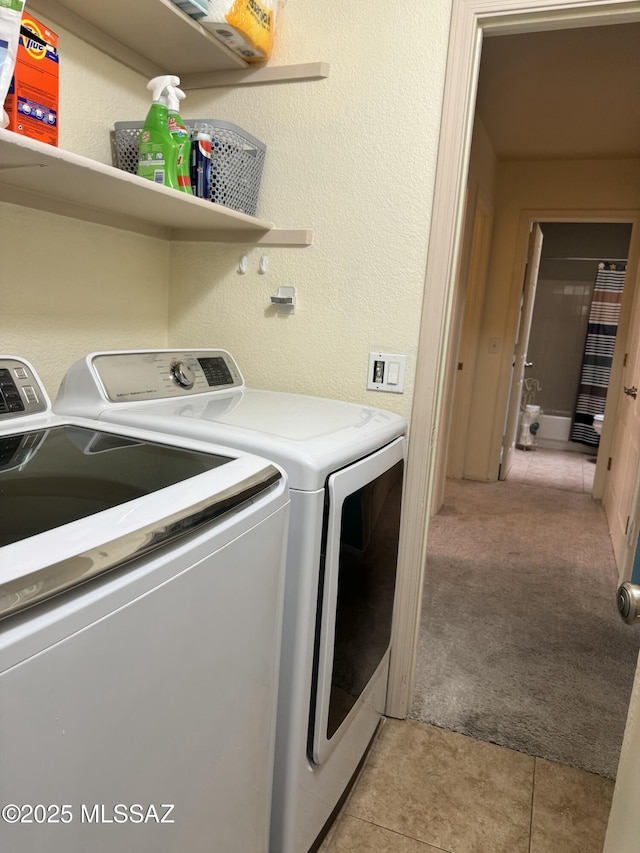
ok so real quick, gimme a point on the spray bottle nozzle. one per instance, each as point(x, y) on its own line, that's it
point(159, 85)
point(174, 96)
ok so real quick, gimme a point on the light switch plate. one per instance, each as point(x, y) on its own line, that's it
point(386, 372)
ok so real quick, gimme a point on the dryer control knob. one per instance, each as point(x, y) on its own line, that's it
point(183, 375)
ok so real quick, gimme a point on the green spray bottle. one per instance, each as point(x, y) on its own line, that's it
point(180, 136)
point(157, 150)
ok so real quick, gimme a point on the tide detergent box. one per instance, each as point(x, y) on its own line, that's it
point(32, 100)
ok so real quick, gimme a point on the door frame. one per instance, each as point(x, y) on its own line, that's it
point(578, 216)
point(471, 21)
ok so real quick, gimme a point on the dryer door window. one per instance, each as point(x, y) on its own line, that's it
point(358, 591)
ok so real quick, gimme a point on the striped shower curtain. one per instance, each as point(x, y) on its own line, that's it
point(604, 316)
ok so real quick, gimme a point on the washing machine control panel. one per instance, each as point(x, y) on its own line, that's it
point(20, 391)
point(164, 374)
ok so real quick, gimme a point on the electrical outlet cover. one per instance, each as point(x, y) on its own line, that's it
point(386, 372)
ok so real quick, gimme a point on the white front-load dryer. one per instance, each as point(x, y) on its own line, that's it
point(345, 465)
point(141, 591)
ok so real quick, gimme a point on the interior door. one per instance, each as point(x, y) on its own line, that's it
point(622, 505)
point(621, 499)
point(520, 353)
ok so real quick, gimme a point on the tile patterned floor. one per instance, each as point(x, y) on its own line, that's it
point(557, 469)
point(427, 790)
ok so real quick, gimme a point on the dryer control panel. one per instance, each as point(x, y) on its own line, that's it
point(164, 374)
point(20, 391)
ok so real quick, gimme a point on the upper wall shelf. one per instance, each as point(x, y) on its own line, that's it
point(146, 35)
point(42, 177)
point(151, 37)
point(156, 37)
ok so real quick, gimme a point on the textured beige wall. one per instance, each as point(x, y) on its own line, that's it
point(541, 187)
point(353, 157)
point(70, 287)
point(95, 91)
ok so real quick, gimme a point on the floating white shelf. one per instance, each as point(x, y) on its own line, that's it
point(156, 37)
point(39, 176)
point(146, 35)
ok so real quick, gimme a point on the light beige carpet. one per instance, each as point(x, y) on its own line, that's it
point(520, 640)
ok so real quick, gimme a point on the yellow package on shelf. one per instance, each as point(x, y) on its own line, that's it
point(245, 26)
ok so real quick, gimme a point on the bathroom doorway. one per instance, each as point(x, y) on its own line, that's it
point(564, 382)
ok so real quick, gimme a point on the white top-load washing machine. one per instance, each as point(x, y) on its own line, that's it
point(141, 592)
point(345, 467)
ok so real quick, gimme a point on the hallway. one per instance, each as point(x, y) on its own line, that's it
point(520, 641)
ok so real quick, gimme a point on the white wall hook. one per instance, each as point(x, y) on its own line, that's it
point(243, 263)
point(285, 301)
point(263, 264)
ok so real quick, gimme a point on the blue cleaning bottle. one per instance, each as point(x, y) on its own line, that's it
point(201, 162)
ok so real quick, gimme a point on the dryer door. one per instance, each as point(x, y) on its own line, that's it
point(362, 532)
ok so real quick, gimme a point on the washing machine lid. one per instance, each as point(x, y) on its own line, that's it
point(51, 477)
point(307, 436)
point(201, 394)
point(77, 501)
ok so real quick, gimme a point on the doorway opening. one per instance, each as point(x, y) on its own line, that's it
point(560, 183)
point(538, 149)
point(473, 22)
point(571, 338)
